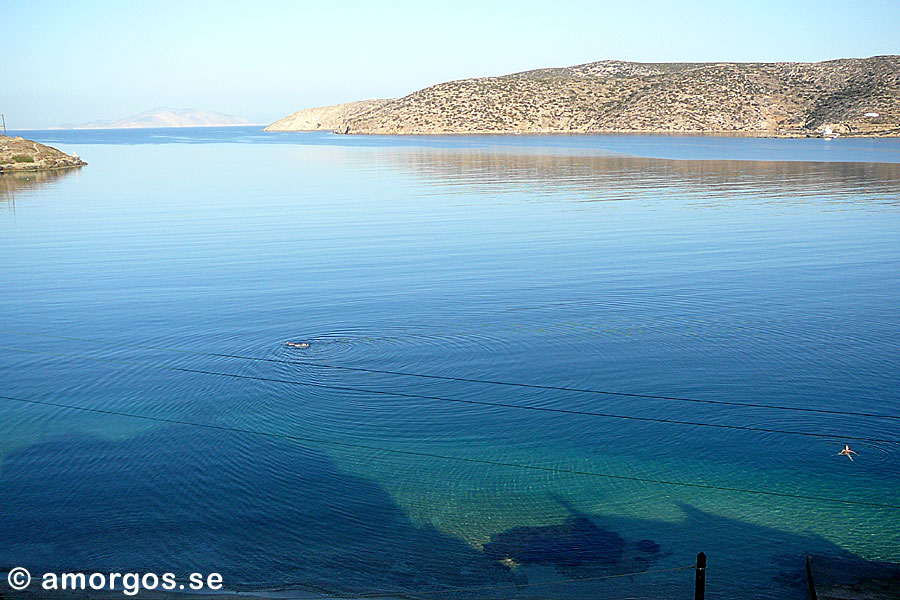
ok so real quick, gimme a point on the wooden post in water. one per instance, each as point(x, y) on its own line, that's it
point(700, 579)
point(809, 579)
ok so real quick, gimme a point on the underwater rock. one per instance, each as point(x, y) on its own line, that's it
point(851, 578)
point(648, 546)
point(576, 542)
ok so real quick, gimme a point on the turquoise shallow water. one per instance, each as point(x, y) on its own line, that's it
point(727, 269)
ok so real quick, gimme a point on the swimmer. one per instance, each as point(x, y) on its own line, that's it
point(847, 452)
point(301, 345)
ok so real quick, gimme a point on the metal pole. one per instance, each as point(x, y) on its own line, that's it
point(3, 118)
point(700, 579)
point(809, 579)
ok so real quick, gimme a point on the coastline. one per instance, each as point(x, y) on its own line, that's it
point(19, 155)
point(843, 97)
point(710, 133)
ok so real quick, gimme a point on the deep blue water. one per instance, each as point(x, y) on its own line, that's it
point(739, 270)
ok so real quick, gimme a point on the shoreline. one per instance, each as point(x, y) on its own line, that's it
point(761, 135)
point(11, 171)
point(19, 155)
point(623, 132)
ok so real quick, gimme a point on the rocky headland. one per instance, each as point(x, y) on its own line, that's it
point(837, 97)
point(328, 118)
point(19, 154)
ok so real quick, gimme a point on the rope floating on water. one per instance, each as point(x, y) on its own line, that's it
point(465, 379)
point(832, 436)
point(478, 461)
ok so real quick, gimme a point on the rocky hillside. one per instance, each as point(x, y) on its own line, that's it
point(848, 96)
point(329, 118)
point(19, 154)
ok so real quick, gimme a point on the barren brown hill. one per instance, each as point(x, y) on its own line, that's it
point(850, 96)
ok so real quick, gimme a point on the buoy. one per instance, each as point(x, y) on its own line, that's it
point(301, 345)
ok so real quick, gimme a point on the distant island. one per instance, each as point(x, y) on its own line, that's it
point(848, 96)
point(19, 154)
point(169, 117)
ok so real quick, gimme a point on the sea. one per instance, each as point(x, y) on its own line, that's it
point(525, 367)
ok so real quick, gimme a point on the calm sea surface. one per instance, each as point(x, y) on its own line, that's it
point(733, 270)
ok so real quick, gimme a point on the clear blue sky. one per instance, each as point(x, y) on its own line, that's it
point(71, 62)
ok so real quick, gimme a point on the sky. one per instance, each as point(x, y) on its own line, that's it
point(73, 62)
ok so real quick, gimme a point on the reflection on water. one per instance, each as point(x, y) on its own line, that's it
point(17, 183)
point(526, 261)
point(677, 147)
point(608, 178)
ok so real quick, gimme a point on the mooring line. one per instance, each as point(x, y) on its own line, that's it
point(342, 388)
point(462, 379)
point(422, 454)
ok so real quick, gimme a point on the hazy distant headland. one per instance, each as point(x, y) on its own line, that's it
point(19, 154)
point(850, 96)
point(168, 117)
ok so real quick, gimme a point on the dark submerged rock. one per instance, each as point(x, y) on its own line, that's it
point(576, 542)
